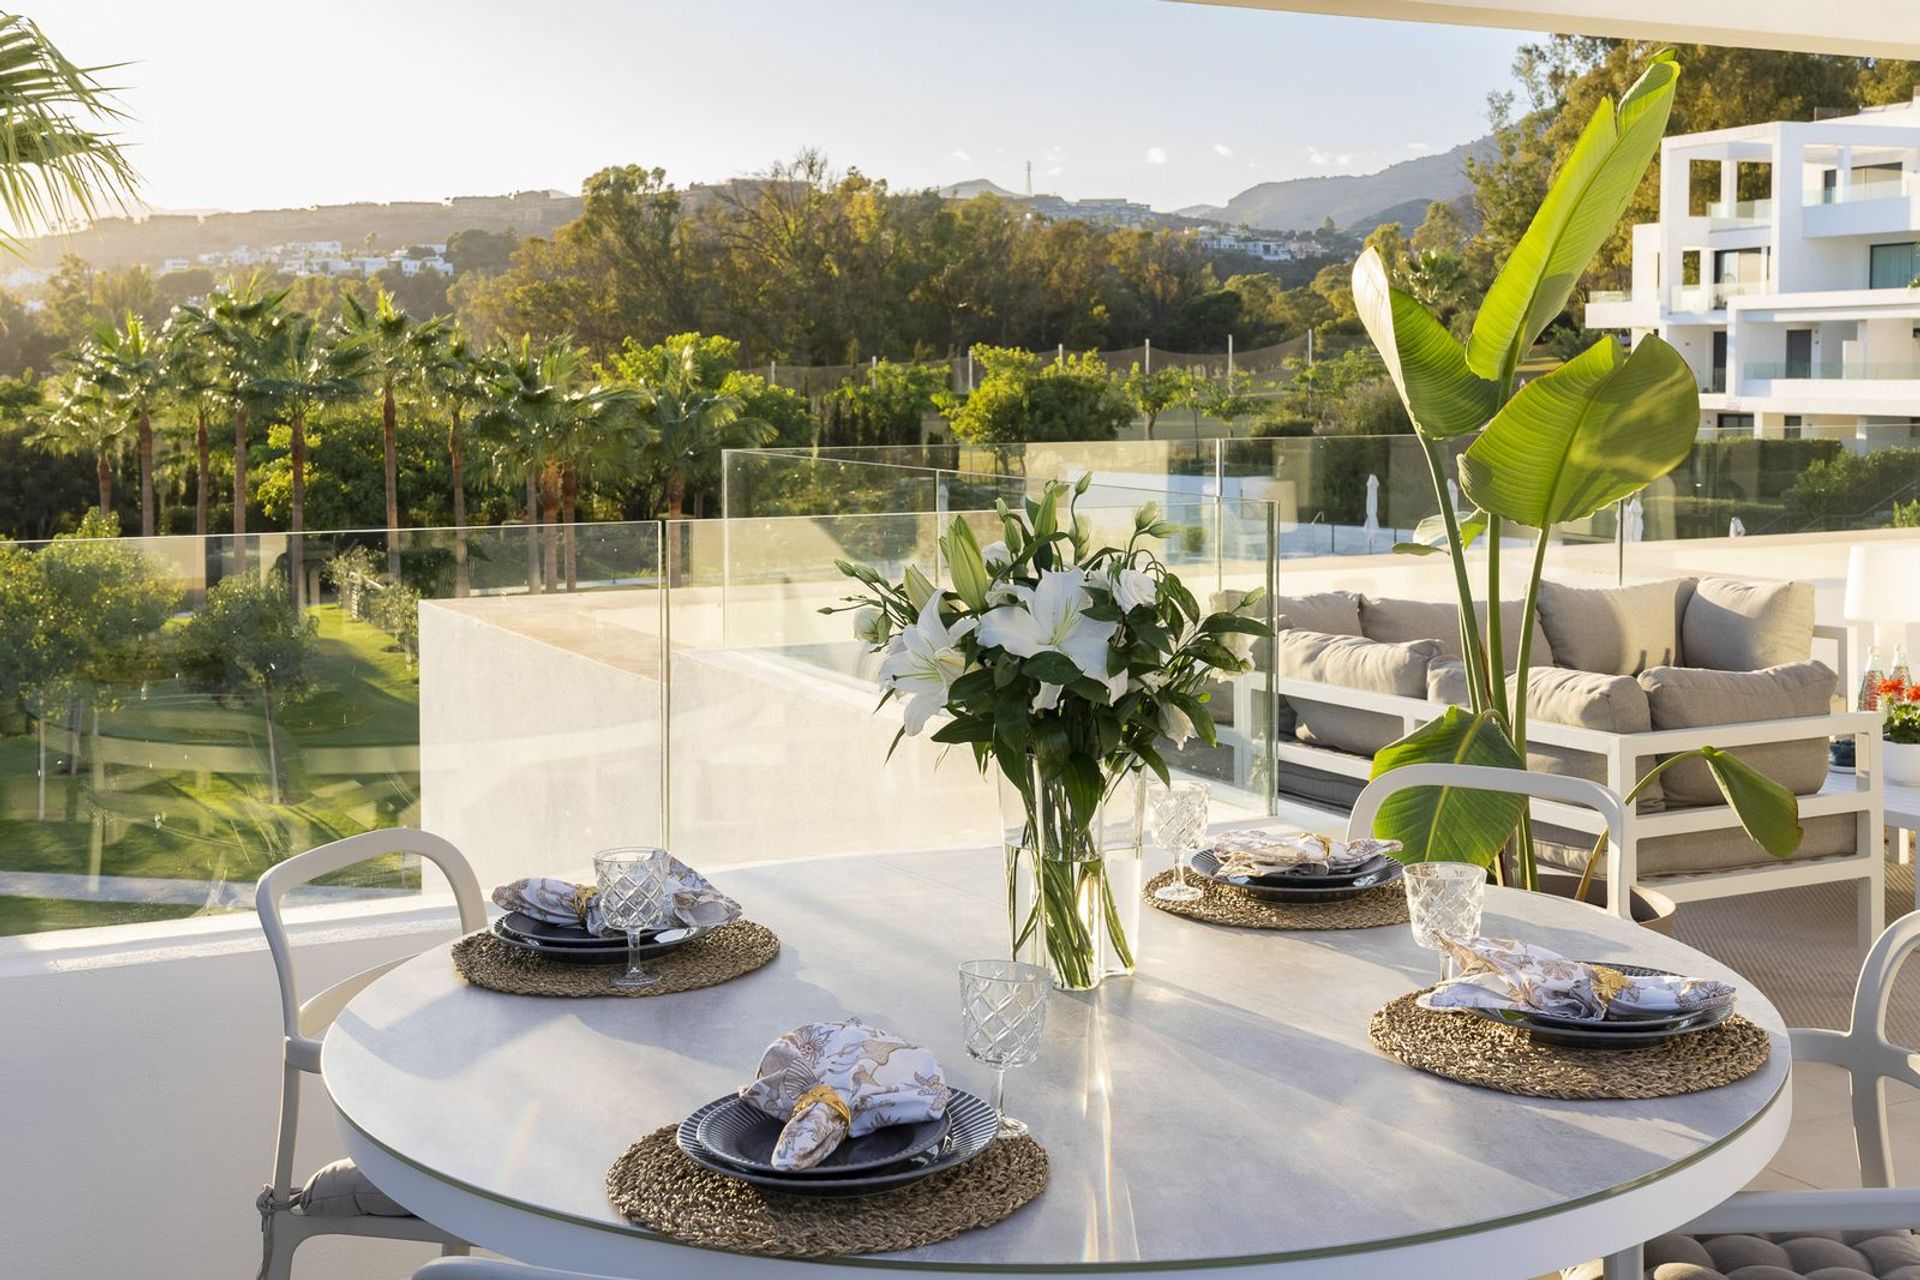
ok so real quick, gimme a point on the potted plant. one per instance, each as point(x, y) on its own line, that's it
point(1570, 442)
point(1062, 666)
point(1900, 752)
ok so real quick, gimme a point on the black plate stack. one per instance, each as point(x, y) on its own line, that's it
point(1624, 1031)
point(572, 944)
point(732, 1138)
point(1304, 887)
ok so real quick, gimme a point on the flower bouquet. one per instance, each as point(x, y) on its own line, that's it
point(1063, 665)
point(1901, 730)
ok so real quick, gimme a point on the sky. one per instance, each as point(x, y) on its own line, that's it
point(245, 104)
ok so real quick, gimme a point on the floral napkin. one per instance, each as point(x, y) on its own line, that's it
point(829, 1081)
point(1499, 974)
point(1272, 853)
point(695, 901)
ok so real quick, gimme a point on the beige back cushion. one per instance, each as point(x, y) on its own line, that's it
point(1618, 631)
point(1747, 626)
point(1689, 697)
point(1399, 621)
point(1333, 613)
point(1352, 662)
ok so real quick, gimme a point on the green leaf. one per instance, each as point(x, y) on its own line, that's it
point(1598, 428)
point(969, 729)
point(974, 684)
point(1449, 824)
point(1081, 778)
point(1201, 717)
point(1581, 210)
point(1443, 396)
point(1052, 668)
point(1768, 811)
point(968, 568)
point(1430, 535)
point(1221, 622)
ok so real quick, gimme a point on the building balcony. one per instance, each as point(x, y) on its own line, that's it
point(1622, 309)
point(1739, 213)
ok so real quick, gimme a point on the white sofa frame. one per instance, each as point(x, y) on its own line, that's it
point(1628, 756)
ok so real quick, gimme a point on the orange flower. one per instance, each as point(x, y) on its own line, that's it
point(1913, 693)
point(1892, 687)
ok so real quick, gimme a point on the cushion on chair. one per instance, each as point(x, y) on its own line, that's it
point(1333, 613)
point(1688, 698)
point(1400, 621)
point(1731, 625)
point(1352, 662)
point(1819, 1255)
point(1614, 630)
point(340, 1190)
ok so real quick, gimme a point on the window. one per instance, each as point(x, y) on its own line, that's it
point(1892, 266)
point(1791, 426)
point(1799, 353)
point(1735, 422)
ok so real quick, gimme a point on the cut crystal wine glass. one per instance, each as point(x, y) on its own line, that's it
point(1004, 1005)
point(634, 897)
point(1179, 818)
point(1444, 898)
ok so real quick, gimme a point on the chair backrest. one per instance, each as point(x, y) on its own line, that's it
point(1863, 1049)
point(301, 1021)
point(1478, 777)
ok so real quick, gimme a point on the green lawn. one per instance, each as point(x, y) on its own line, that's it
point(184, 789)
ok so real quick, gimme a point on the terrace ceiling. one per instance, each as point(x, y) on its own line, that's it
point(1878, 28)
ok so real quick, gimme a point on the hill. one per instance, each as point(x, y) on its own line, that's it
point(1355, 202)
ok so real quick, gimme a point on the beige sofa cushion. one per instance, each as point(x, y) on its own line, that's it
point(1333, 613)
point(1561, 695)
point(1747, 626)
point(1352, 662)
point(1614, 630)
point(1726, 849)
point(1401, 621)
point(1688, 697)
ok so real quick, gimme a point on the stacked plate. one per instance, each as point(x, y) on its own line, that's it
point(572, 944)
point(732, 1138)
point(1625, 1031)
point(1302, 886)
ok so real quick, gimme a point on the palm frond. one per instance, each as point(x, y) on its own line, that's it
point(58, 165)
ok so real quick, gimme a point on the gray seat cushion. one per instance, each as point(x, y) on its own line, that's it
point(1725, 849)
point(1333, 613)
point(1688, 697)
point(1615, 630)
point(340, 1190)
point(1731, 625)
point(1814, 1255)
point(1400, 621)
point(1352, 662)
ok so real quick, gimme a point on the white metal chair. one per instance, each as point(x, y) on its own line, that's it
point(355, 1207)
point(488, 1269)
point(1796, 1231)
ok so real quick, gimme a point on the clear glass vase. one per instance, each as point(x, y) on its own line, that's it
point(1074, 882)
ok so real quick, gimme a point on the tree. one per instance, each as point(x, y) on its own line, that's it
point(386, 347)
point(885, 404)
point(1019, 400)
point(687, 416)
point(1151, 392)
point(246, 636)
point(1227, 399)
point(128, 364)
point(299, 369)
point(85, 424)
point(58, 165)
point(193, 383)
point(455, 376)
point(233, 325)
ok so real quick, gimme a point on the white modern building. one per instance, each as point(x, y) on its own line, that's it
point(1783, 267)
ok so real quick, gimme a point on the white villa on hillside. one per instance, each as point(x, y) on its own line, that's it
point(1797, 307)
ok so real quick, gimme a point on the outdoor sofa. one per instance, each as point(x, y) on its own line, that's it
point(1620, 675)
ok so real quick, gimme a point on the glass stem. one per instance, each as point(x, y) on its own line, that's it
point(1180, 864)
point(633, 954)
point(1000, 1091)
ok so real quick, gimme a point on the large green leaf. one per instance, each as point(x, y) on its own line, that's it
point(1598, 428)
point(1449, 824)
point(1581, 210)
point(1767, 810)
point(1429, 368)
point(1430, 535)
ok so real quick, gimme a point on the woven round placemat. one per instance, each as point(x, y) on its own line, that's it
point(1224, 904)
point(1475, 1051)
point(707, 961)
point(656, 1186)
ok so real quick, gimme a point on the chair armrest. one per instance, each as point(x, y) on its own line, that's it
point(1847, 1209)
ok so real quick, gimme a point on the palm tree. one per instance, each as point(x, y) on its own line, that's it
point(57, 167)
point(510, 427)
point(192, 382)
point(84, 422)
point(299, 369)
point(387, 348)
point(233, 325)
point(127, 364)
point(685, 422)
point(456, 377)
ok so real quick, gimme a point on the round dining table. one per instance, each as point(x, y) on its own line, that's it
point(1219, 1110)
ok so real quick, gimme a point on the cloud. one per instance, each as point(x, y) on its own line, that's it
point(1221, 148)
point(1156, 155)
point(1338, 160)
point(1420, 148)
point(961, 156)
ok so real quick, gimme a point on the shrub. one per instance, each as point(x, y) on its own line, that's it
point(1851, 488)
point(885, 405)
point(1020, 399)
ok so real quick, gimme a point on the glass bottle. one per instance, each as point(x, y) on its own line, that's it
point(1900, 674)
point(1870, 681)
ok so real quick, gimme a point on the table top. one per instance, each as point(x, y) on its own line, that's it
point(1231, 1073)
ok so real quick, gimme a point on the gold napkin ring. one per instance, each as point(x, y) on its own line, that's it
point(831, 1097)
point(1608, 983)
point(583, 896)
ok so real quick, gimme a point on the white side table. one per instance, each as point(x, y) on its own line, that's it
point(1903, 814)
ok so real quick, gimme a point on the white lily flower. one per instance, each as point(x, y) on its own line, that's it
point(1175, 724)
point(870, 626)
point(1131, 588)
point(1052, 619)
point(923, 662)
point(1049, 696)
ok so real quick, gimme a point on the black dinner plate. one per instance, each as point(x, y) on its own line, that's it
point(1628, 1032)
point(529, 929)
point(744, 1135)
point(1327, 880)
point(1281, 889)
point(971, 1126)
point(613, 950)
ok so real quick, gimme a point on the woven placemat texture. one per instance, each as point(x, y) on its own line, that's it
point(1475, 1051)
point(655, 1185)
point(1224, 904)
point(707, 961)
